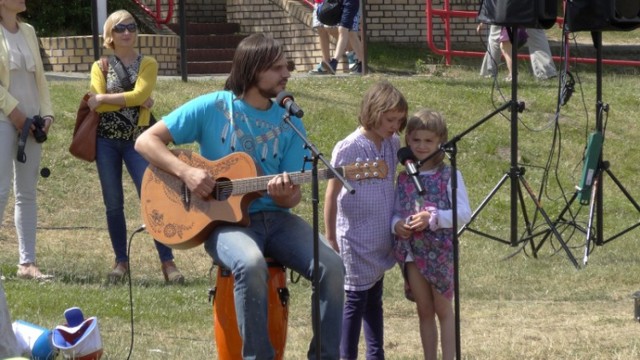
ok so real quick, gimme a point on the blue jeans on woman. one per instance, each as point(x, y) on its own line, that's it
point(288, 239)
point(110, 154)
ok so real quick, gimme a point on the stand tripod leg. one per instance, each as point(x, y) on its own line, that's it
point(549, 222)
point(479, 209)
point(566, 208)
point(600, 240)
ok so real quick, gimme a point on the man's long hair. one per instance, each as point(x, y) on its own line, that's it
point(255, 54)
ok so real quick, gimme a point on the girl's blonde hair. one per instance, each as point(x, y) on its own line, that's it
point(380, 98)
point(114, 19)
point(427, 119)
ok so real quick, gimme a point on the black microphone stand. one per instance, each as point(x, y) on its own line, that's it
point(315, 156)
point(450, 148)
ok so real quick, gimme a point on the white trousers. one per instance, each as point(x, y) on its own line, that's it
point(25, 179)
point(540, 53)
point(8, 342)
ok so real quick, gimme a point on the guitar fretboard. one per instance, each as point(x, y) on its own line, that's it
point(244, 186)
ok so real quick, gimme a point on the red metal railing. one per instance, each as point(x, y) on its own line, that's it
point(445, 14)
point(157, 14)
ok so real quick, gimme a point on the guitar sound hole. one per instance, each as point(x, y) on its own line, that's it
point(223, 189)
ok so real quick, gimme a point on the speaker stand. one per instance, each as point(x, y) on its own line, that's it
point(596, 195)
point(515, 175)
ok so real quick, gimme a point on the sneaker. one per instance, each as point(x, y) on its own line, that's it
point(332, 66)
point(357, 68)
point(318, 70)
point(352, 59)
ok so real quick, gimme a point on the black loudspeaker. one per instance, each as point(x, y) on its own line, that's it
point(599, 15)
point(521, 13)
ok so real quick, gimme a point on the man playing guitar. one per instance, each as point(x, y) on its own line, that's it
point(244, 118)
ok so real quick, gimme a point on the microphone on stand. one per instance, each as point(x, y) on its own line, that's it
point(406, 158)
point(285, 100)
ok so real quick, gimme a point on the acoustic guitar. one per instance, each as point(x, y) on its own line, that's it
point(182, 221)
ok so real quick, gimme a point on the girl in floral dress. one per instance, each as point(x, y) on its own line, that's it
point(423, 232)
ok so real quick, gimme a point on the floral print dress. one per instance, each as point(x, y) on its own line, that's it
point(431, 251)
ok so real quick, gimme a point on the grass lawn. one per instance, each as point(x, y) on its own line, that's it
point(515, 303)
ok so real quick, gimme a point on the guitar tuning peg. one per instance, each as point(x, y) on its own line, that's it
point(376, 174)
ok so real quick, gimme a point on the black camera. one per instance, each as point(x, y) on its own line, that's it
point(38, 129)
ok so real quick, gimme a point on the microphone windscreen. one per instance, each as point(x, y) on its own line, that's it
point(405, 154)
point(45, 172)
point(282, 96)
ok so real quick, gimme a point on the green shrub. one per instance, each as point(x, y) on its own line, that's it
point(65, 18)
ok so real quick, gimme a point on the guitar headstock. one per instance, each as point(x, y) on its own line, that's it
point(361, 170)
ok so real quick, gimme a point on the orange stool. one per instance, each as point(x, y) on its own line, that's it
point(227, 337)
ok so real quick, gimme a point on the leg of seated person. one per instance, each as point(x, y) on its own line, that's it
point(240, 249)
point(291, 243)
point(348, 21)
point(356, 44)
point(323, 35)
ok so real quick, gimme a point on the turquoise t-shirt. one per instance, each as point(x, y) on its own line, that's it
point(223, 124)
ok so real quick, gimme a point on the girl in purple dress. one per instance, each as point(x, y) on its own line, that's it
point(424, 237)
point(357, 225)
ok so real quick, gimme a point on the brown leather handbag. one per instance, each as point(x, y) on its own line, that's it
point(83, 143)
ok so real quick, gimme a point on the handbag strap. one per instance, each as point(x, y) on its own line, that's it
point(104, 66)
point(117, 66)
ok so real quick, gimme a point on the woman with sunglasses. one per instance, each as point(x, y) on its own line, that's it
point(24, 93)
point(123, 100)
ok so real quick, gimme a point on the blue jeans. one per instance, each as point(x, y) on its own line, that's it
point(289, 240)
point(363, 307)
point(110, 154)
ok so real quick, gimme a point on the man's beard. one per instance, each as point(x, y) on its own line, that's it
point(269, 93)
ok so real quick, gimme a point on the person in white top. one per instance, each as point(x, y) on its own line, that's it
point(24, 98)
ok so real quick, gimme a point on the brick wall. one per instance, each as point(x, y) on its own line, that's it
point(75, 53)
point(198, 11)
point(404, 21)
point(204, 11)
point(396, 21)
point(288, 20)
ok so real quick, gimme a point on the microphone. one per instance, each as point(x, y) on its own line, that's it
point(285, 100)
point(406, 158)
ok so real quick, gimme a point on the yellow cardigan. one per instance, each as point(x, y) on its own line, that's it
point(7, 101)
point(146, 82)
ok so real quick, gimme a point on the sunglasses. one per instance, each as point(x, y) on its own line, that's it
point(120, 28)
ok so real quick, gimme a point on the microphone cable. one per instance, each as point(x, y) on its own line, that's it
point(141, 228)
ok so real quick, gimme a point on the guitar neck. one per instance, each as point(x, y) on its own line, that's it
point(244, 186)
